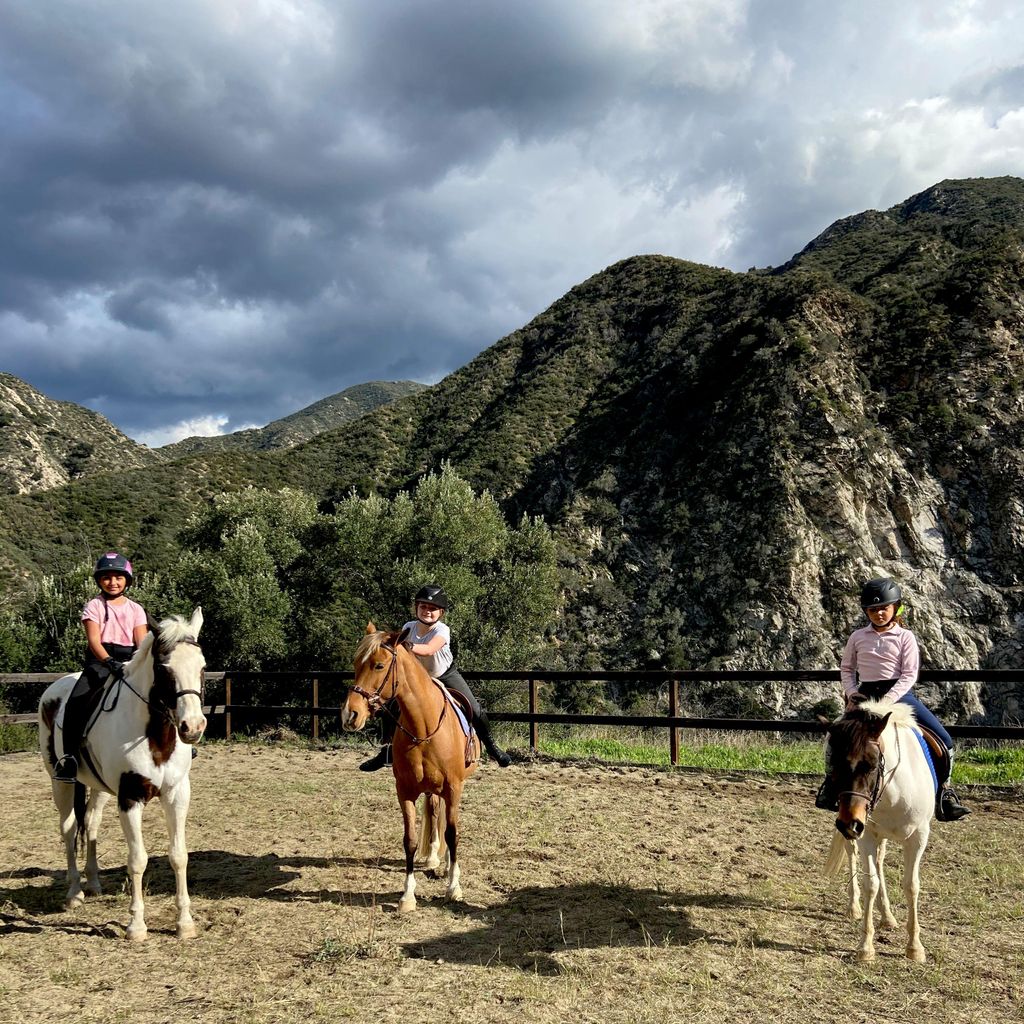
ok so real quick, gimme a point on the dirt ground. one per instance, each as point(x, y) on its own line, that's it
point(592, 894)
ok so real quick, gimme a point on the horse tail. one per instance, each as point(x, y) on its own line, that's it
point(838, 855)
point(427, 827)
point(79, 805)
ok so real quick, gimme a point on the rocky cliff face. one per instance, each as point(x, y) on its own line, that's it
point(45, 443)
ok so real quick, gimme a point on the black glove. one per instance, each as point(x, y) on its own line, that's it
point(116, 667)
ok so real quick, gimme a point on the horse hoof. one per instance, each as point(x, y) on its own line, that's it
point(134, 934)
point(187, 931)
point(406, 906)
point(854, 915)
point(916, 954)
point(74, 902)
point(889, 922)
point(94, 889)
point(431, 864)
point(456, 895)
point(865, 955)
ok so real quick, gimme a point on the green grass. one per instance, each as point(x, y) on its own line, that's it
point(996, 766)
point(14, 738)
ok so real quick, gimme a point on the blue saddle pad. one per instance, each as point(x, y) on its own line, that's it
point(928, 759)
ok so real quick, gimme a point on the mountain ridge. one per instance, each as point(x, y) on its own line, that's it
point(724, 457)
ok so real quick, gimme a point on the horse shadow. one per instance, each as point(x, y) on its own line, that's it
point(212, 874)
point(535, 925)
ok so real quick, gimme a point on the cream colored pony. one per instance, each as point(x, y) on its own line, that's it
point(136, 747)
point(886, 791)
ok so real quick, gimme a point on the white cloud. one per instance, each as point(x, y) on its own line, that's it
point(201, 426)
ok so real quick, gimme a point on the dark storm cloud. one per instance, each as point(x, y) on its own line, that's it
point(219, 212)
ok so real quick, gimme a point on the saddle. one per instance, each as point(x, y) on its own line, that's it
point(79, 709)
point(464, 713)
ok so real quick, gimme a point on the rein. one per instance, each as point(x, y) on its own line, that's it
point(379, 704)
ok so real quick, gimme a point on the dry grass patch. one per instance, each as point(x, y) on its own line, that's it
point(592, 894)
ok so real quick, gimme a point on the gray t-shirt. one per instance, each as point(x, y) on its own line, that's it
point(438, 663)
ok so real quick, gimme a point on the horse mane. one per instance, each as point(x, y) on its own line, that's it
point(899, 714)
point(175, 629)
point(370, 645)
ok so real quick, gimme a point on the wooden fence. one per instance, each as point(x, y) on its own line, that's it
point(534, 717)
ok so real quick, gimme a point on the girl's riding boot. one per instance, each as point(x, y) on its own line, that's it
point(948, 806)
point(827, 797)
point(66, 769)
point(483, 729)
point(383, 756)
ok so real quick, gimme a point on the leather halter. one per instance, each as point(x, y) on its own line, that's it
point(378, 704)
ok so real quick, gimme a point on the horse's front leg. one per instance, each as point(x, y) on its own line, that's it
point(407, 904)
point(64, 800)
point(853, 911)
point(888, 919)
point(913, 851)
point(131, 824)
point(868, 847)
point(98, 800)
point(452, 801)
point(176, 803)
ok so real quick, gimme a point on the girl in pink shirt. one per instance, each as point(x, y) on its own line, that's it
point(881, 662)
point(114, 628)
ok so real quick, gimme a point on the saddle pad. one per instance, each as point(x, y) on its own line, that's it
point(928, 759)
point(463, 721)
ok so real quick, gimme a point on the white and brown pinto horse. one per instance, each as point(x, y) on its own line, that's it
point(430, 752)
point(886, 791)
point(137, 746)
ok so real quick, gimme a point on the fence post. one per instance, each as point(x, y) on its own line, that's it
point(534, 687)
point(316, 714)
point(673, 712)
point(227, 701)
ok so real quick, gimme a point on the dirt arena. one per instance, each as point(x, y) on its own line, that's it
point(592, 894)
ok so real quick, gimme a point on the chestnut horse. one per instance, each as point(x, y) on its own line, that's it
point(887, 791)
point(429, 751)
point(137, 745)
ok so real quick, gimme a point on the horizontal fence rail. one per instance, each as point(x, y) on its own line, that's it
point(534, 717)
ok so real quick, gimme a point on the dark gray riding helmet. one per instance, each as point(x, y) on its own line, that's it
point(432, 594)
point(878, 593)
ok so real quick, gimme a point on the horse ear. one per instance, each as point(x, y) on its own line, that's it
point(401, 636)
point(197, 621)
point(370, 628)
point(827, 722)
point(154, 626)
point(877, 725)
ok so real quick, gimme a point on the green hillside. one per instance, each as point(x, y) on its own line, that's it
point(722, 456)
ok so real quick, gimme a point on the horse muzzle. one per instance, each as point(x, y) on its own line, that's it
point(850, 829)
point(192, 731)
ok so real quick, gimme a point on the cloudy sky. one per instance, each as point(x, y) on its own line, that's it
point(215, 212)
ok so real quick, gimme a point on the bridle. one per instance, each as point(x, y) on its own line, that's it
point(378, 704)
point(161, 670)
point(878, 788)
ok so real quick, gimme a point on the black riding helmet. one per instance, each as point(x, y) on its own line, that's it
point(112, 562)
point(432, 594)
point(879, 593)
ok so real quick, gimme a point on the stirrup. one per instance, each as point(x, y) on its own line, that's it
point(948, 806)
point(379, 760)
point(66, 769)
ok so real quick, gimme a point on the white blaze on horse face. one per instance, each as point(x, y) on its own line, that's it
point(187, 664)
